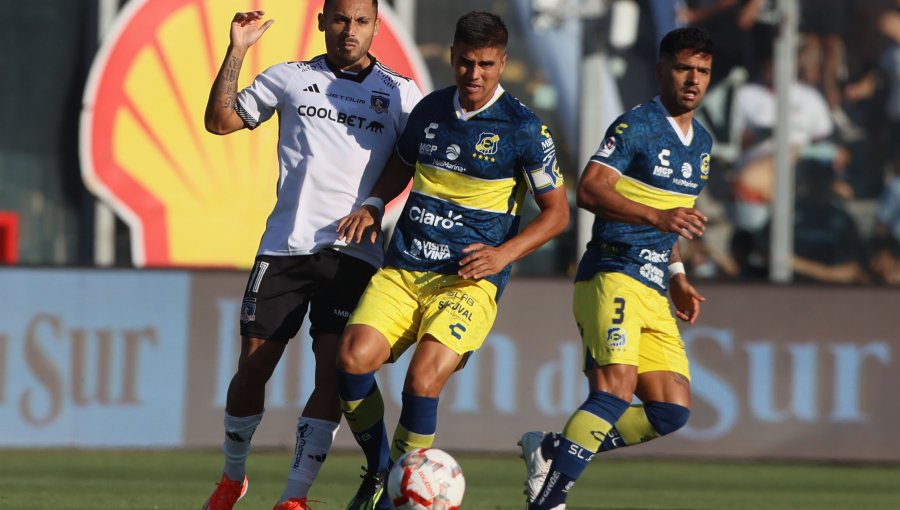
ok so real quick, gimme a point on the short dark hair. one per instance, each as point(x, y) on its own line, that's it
point(481, 29)
point(327, 3)
point(690, 38)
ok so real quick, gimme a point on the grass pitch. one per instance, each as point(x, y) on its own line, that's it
point(154, 480)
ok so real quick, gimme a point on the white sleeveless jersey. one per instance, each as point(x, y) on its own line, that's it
point(336, 132)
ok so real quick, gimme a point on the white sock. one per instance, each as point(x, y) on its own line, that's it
point(314, 439)
point(238, 432)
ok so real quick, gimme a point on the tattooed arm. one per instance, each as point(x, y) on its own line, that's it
point(221, 117)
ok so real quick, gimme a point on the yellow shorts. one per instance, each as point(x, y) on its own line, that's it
point(622, 321)
point(407, 305)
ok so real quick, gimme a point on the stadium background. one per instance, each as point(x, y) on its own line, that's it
point(129, 356)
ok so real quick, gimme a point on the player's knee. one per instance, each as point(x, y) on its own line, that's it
point(254, 373)
point(361, 352)
point(423, 384)
point(616, 379)
point(257, 362)
point(354, 361)
point(350, 361)
point(248, 377)
point(665, 417)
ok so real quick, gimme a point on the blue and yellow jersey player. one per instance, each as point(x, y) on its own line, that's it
point(477, 152)
point(641, 185)
point(472, 172)
point(658, 166)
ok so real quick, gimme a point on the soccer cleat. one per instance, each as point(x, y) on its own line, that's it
point(371, 494)
point(294, 504)
point(537, 464)
point(227, 493)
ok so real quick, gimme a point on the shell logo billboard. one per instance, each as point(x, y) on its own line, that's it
point(190, 198)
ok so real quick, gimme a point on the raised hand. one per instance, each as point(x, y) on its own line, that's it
point(246, 28)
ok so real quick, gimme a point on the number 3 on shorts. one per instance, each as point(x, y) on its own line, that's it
point(619, 316)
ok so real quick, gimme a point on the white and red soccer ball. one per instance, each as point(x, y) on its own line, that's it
point(426, 479)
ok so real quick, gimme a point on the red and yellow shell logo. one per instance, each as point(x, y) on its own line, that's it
point(189, 197)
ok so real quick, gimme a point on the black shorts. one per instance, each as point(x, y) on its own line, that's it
point(280, 289)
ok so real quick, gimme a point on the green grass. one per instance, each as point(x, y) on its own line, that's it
point(101, 480)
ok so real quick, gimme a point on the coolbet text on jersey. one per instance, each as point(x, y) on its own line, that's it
point(331, 173)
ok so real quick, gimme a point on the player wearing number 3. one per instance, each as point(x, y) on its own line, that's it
point(641, 185)
point(475, 151)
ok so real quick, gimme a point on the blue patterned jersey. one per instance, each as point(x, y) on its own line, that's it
point(470, 180)
point(659, 167)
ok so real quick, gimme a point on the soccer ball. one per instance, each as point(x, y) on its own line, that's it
point(426, 479)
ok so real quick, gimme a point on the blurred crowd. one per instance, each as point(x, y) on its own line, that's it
point(844, 138)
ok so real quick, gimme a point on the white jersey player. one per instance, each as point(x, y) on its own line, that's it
point(348, 124)
point(339, 117)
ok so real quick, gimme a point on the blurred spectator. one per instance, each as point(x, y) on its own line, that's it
point(755, 119)
point(736, 26)
point(827, 247)
point(827, 244)
point(709, 256)
point(738, 29)
point(705, 261)
point(885, 76)
point(822, 24)
point(885, 261)
point(872, 30)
